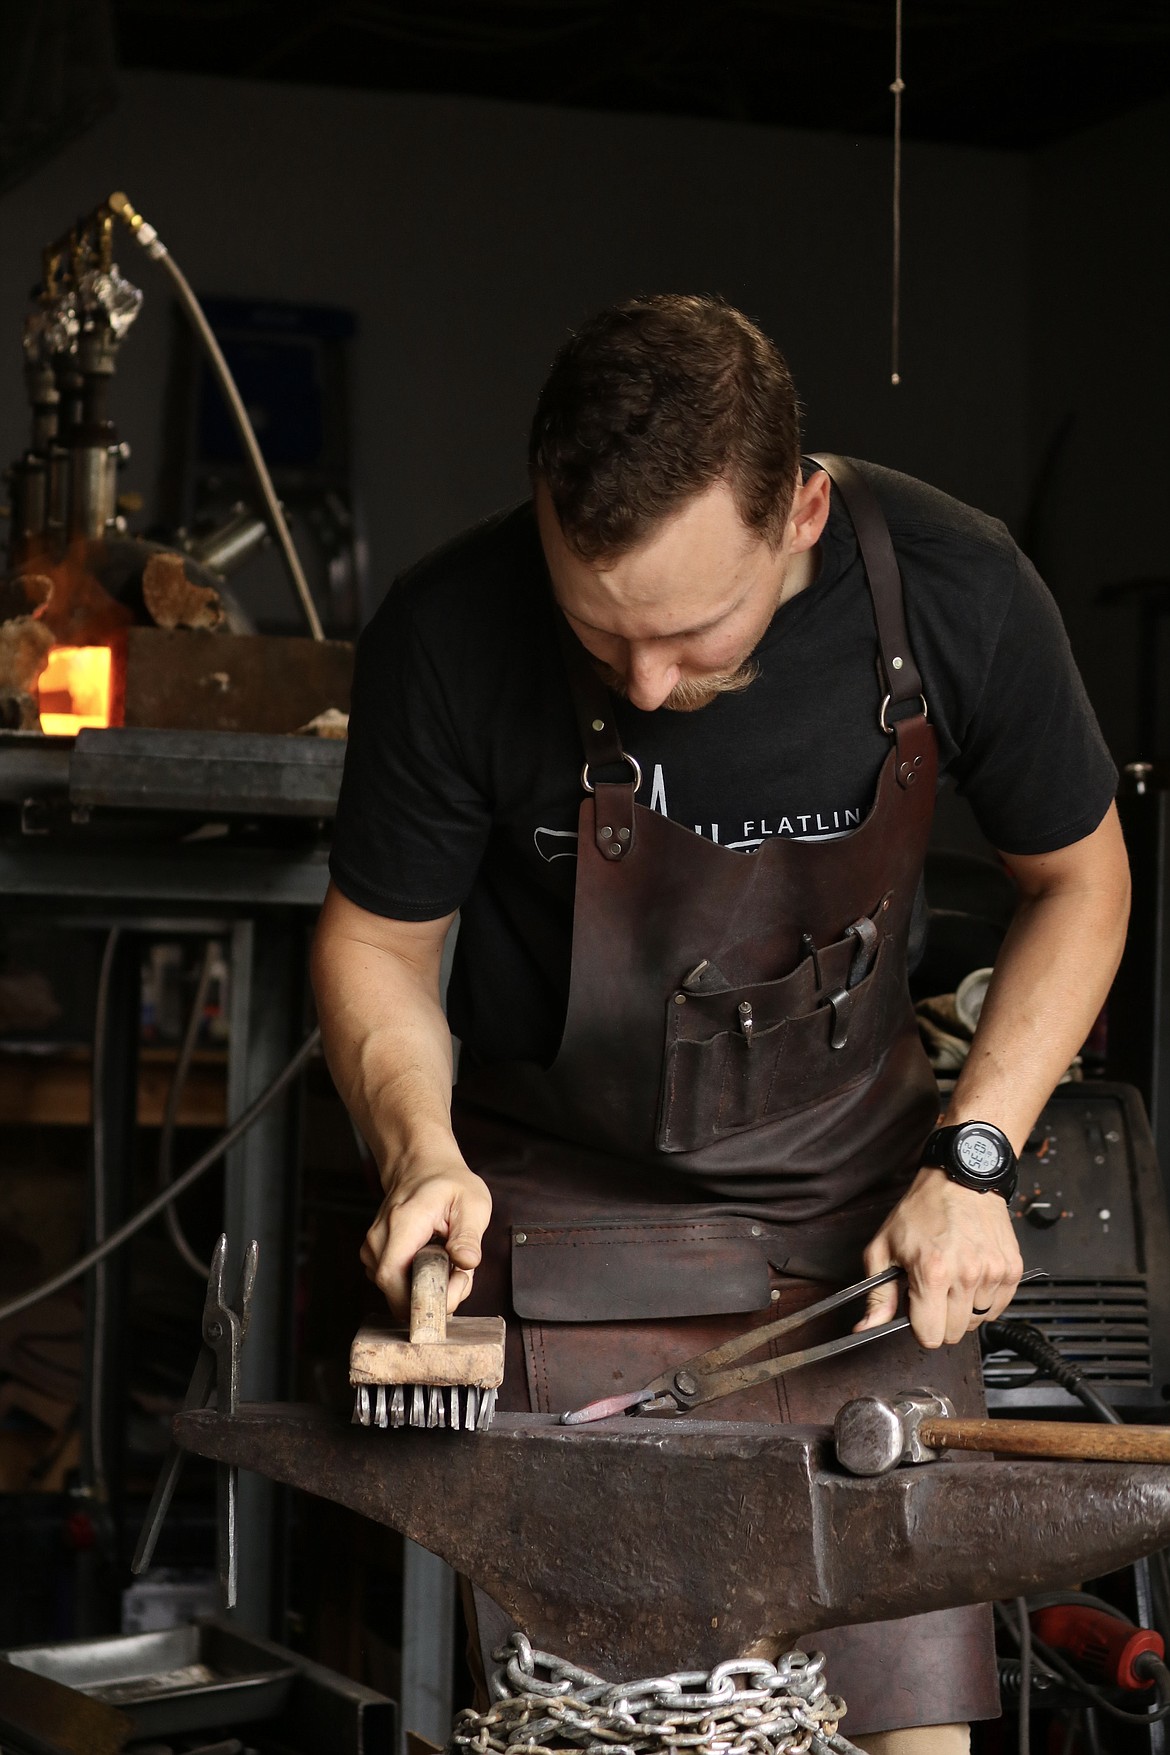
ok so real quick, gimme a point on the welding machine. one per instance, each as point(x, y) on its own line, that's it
point(1091, 1211)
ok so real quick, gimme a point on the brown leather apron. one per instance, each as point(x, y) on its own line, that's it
point(738, 1099)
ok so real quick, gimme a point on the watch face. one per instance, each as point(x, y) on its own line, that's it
point(978, 1154)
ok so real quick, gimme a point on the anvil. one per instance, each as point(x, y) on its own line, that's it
point(640, 1546)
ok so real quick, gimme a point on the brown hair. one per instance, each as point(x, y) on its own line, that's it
point(654, 400)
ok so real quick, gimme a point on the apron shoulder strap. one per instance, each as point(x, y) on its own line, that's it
point(903, 682)
point(592, 701)
point(613, 800)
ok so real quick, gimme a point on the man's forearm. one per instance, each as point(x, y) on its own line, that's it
point(1051, 979)
point(385, 1035)
point(389, 1050)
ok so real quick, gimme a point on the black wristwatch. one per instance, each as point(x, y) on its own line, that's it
point(975, 1155)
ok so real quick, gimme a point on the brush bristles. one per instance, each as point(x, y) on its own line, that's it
point(427, 1405)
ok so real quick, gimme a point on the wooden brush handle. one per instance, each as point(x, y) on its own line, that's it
point(1051, 1438)
point(428, 1295)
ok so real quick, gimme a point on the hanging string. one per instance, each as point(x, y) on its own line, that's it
point(897, 87)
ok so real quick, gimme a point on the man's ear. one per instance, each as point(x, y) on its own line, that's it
point(810, 512)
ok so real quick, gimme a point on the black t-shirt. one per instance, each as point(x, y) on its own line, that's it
point(462, 776)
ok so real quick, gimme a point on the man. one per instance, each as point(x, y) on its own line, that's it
point(680, 981)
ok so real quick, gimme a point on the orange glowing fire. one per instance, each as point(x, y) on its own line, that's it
point(75, 689)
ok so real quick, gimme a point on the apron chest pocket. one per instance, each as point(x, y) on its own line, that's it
point(736, 1059)
point(645, 1269)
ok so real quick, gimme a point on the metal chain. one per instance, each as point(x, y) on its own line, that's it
point(541, 1704)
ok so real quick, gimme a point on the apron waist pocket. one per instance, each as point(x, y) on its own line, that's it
point(637, 1271)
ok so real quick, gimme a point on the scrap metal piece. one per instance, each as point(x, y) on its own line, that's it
point(720, 1535)
point(332, 724)
point(174, 601)
point(24, 652)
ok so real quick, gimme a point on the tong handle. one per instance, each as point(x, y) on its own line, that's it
point(754, 1338)
point(711, 1384)
point(713, 1387)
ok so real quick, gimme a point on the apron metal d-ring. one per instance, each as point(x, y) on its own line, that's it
point(883, 721)
point(634, 764)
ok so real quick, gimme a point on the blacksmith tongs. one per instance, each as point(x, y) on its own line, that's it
point(217, 1370)
point(706, 1377)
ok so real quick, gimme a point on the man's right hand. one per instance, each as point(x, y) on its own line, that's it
point(450, 1202)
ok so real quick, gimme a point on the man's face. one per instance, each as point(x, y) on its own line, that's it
point(674, 621)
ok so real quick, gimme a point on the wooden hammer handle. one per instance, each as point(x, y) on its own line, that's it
point(1050, 1438)
point(428, 1295)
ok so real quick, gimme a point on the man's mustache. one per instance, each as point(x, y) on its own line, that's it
point(691, 693)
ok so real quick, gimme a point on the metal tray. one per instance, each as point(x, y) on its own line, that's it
point(187, 1679)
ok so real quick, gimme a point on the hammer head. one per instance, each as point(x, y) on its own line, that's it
point(875, 1433)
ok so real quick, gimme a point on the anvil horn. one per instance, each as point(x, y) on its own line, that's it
point(638, 1546)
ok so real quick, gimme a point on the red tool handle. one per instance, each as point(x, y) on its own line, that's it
point(1103, 1645)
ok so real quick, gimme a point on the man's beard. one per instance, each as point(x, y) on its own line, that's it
point(691, 693)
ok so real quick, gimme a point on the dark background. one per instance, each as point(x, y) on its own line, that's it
point(471, 178)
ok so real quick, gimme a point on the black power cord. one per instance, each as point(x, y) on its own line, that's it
point(179, 1186)
point(1030, 1344)
point(1060, 1666)
point(1021, 1338)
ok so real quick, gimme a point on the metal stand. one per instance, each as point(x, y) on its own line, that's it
point(261, 901)
point(260, 1201)
point(428, 1643)
point(103, 1395)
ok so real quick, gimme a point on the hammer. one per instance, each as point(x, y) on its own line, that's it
point(875, 1433)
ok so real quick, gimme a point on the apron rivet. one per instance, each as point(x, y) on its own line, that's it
point(599, 725)
point(606, 833)
point(680, 999)
point(614, 852)
point(623, 834)
point(895, 664)
point(757, 1230)
point(774, 1294)
point(520, 1237)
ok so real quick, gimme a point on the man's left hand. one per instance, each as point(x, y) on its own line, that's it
point(960, 1256)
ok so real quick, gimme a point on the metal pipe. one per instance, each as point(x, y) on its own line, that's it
point(150, 241)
